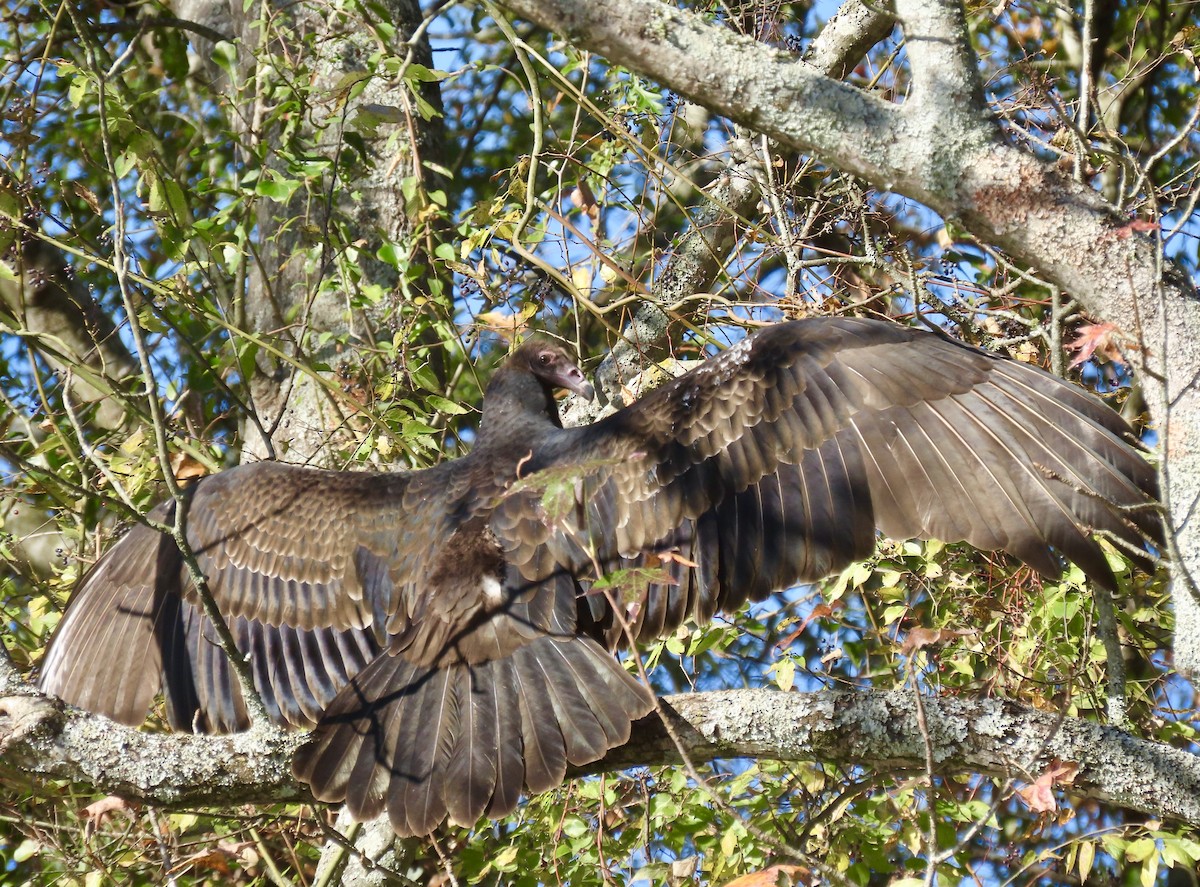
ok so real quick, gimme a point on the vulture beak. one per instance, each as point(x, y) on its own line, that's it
point(580, 385)
point(573, 379)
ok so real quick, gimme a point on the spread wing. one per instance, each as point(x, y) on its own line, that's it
point(311, 569)
point(377, 607)
point(779, 460)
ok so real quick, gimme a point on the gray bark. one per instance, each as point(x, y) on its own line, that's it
point(878, 731)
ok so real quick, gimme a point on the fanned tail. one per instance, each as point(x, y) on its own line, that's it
point(460, 740)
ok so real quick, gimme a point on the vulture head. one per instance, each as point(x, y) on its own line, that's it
point(520, 397)
point(551, 364)
point(443, 630)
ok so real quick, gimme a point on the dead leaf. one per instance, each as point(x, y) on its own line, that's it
point(924, 637)
point(582, 197)
point(1039, 796)
point(832, 656)
point(820, 611)
point(508, 326)
point(87, 196)
point(216, 860)
point(243, 850)
point(776, 875)
point(673, 557)
point(184, 467)
point(1092, 338)
point(1140, 225)
point(100, 812)
point(683, 871)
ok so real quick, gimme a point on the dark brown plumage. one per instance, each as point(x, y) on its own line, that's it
point(435, 626)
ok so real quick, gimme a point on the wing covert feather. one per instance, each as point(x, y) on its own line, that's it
point(313, 549)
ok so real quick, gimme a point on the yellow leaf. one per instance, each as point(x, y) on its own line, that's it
point(729, 842)
point(505, 857)
point(581, 278)
point(785, 674)
point(1087, 855)
point(1150, 871)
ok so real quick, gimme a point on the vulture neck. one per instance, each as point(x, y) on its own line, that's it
point(517, 407)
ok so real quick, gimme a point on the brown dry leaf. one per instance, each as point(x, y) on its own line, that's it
point(832, 656)
point(924, 637)
point(582, 197)
point(243, 850)
point(1095, 337)
point(87, 196)
point(1039, 796)
point(774, 876)
point(100, 812)
point(1143, 226)
point(184, 467)
point(508, 326)
point(674, 557)
point(215, 860)
point(820, 611)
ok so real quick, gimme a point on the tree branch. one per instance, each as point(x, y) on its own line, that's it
point(847, 37)
point(62, 321)
point(874, 730)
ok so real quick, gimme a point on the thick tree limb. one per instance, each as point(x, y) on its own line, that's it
point(847, 37)
point(874, 730)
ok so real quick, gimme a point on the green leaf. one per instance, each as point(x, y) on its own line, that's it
point(444, 405)
point(420, 74)
point(1141, 850)
point(276, 188)
point(224, 55)
point(388, 254)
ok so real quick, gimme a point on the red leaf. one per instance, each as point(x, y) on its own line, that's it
point(1039, 796)
point(1093, 337)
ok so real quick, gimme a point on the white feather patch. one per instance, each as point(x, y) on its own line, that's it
point(493, 591)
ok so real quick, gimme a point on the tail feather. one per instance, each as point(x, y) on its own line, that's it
point(604, 690)
point(544, 750)
point(458, 740)
point(509, 765)
point(368, 782)
point(584, 736)
point(472, 765)
point(415, 775)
